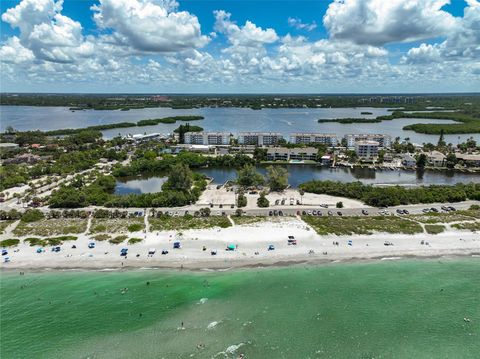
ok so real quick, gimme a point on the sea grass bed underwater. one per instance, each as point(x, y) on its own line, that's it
point(404, 309)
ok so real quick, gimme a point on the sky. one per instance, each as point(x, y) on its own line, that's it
point(240, 46)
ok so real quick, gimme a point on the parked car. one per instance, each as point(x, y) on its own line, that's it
point(364, 212)
point(330, 213)
point(340, 213)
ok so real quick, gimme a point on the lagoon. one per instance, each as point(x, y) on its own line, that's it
point(231, 120)
point(302, 173)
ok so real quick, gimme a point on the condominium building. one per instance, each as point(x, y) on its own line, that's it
point(367, 149)
point(259, 138)
point(319, 138)
point(288, 154)
point(207, 138)
point(384, 141)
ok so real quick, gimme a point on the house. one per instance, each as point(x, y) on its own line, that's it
point(7, 146)
point(327, 160)
point(436, 159)
point(409, 161)
point(469, 160)
point(27, 158)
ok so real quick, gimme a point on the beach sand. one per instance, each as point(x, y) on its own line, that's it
point(248, 239)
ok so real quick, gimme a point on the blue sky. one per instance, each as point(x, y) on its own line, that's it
point(240, 46)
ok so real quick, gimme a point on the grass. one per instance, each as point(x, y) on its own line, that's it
point(118, 239)
point(134, 240)
point(119, 225)
point(446, 217)
point(361, 225)
point(52, 241)
point(471, 226)
point(245, 220)
point(135, 227)
point(101, 237)
point(167, 223)
point(49, 227)
point(12, 242)
point(4, 224)
point(434, 228)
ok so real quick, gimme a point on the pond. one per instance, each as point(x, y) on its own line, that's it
point(302, 173)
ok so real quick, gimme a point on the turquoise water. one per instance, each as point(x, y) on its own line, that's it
point(405, 309)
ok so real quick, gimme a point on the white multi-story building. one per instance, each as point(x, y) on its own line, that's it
point(320, 138)
point(207, 138)
point(259, 138)
point(287, 154)
point(384, 141)
point(367, 149)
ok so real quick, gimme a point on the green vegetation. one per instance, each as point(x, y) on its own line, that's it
point(119, 225)
point(52, 241)
point(101, 237)
point(241, 200)
point(118, 239)
point(339, 204)
point(12, 242)
point(361, 225)
point(277, 178)
point(32, 215)
point(441, 217)
point(434, 228)
point(173, 119)
point(471, 226)
point(4, 224)
point(168, 223)
point(394, 195)
point(262, 201)
point(247, 176)
point(469, 121)
point(134, 240)
point(135, 227)
point(48, 227)
point(180, 178)
point(246, 220)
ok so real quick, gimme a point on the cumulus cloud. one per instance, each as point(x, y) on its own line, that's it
point(300, 25)
point(378, 22)
point(463, 43)
point(46, 32)
point(148, 25)
point(249, 35)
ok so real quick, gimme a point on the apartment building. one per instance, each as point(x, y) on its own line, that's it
point(327, 139)
point(384, 141)
point(207, 138)
point(291, 154)
point(259, 138)
point(367, 149)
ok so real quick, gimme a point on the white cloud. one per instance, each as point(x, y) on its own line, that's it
point(46, 32)
point(13, 52)
point(300, 25)
point(148, 25)
point(378, 22)
point(249, 35)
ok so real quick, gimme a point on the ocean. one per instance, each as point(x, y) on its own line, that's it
point(387, 309)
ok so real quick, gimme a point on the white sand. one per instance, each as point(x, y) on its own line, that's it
point(251, 238)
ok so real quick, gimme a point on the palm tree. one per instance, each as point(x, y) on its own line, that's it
point(302, 193)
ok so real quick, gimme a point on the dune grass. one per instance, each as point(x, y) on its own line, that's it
point(362, 225)
point(51, 227)
point(11, 242)
point(434, 228)
point(167, 223)
point(119, 225)
point(4, 224)
point(471, 226)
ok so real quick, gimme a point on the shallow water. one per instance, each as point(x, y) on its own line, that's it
point(232, 120)
point(390, 309)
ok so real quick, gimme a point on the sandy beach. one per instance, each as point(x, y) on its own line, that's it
point(251, 242)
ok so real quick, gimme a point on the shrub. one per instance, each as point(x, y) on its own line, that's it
point(241, 200)
point(101, 237)
point(9, 242)
point(339, 204)
point(262, 201)
point(118, 239)
point(32, 215)
point(135, 227)
point(134, 240)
